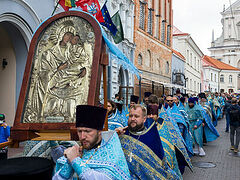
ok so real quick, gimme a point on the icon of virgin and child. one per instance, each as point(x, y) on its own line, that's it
point(60, 76)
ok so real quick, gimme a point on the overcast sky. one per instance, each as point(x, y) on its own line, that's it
point(199, 18)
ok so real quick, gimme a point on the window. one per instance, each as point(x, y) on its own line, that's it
point(178, 78)
point(221, 78)
point(157, 19)
point(190, 59)
point(139, 59)
point(215, 78)
point(142, 15)
point(157, 66)
point(126, 33)
point(148, 59)
point(163, 31)
point(157, 26)
point(150, 21)
point(230, 78)
point(211, 76)
point(195, 63)
point(168, 34)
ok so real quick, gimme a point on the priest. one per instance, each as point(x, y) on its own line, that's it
point(99, 156)
point(196, 126)
point(143, 147)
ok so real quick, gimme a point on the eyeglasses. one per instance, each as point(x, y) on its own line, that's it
point(169, 100)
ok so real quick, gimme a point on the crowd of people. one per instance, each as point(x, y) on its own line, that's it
point(153, 139)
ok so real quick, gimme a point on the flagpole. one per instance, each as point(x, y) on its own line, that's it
point(55, 7)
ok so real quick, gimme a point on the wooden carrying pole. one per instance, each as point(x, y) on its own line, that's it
point(104, 62)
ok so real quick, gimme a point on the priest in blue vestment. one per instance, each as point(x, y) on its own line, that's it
point(169, 132)
point(196, 120)
point(174, 112)
point(115, 117)
point(221, 104)
point(100, 155)
point(209, 131)
point(214, 114)
point(143, 148)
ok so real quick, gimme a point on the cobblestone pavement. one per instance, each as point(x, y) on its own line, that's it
point(218, 153)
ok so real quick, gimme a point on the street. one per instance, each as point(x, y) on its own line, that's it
point(217, 152)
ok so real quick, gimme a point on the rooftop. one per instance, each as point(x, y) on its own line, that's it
point(178, 54)
point(209, 61)
point(177, 32)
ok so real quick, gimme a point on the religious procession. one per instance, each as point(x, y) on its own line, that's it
point(154, 139)
point(100, 90)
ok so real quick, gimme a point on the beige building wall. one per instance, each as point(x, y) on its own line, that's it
point(7, 78)
point(229, 83)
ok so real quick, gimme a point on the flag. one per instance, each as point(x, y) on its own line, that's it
point(119, 35)
point(67, 4)
point(108, 21)
point(91, 6)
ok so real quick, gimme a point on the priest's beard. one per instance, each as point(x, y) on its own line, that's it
point(91, 144)
point(136, 128)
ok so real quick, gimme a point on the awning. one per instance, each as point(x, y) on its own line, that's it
point(169, 85)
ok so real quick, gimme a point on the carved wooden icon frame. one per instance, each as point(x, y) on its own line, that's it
point(26, 130)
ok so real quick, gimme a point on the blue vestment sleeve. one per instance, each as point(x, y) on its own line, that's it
point(63, 170)
point(57, 152)
point(85, 172)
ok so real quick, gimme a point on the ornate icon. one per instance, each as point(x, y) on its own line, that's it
point(61, 71)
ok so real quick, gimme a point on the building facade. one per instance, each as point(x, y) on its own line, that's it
point(219, 76)
point(210, 76)
point(226, 48)
point(120, 80)
point(178, 72)
point(153, 39)
point(184, 43)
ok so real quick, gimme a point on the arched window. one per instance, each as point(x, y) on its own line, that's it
point(156, 65)
point(167, 67)
point(221, 78)
point(139, 59)
point(230, 78)
point(148, 59)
